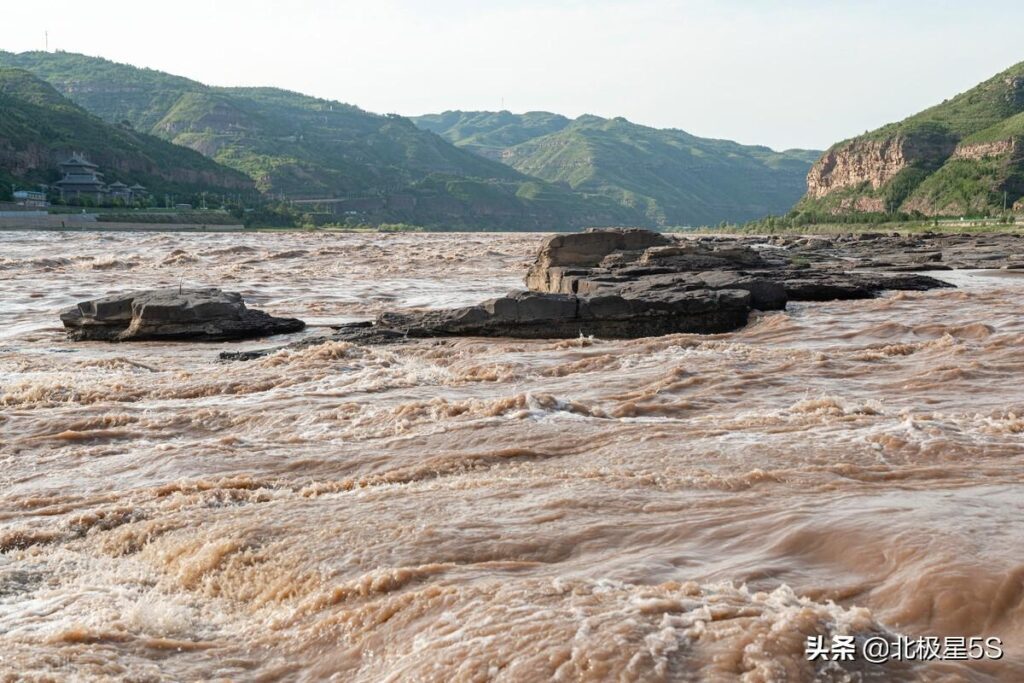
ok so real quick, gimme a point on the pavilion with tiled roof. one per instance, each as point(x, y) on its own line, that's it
point(119, 190)
point(81, 179)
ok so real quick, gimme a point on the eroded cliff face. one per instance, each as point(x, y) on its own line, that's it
point(872, 161)
point(983, 150)
point(18, 162)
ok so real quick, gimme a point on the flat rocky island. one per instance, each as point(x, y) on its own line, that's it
point(628, 283)
point(167, 314)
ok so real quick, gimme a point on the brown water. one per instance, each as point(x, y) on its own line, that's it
point(670, 509)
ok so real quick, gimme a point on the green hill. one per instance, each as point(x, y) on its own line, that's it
point(381, 168)
point(964, 156)
point(39, 128)
point(490, 133)
point(671, 177)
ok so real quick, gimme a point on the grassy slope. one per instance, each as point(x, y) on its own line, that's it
point(974, 110)
point(38, 124)
point(302, 146)
point(668, 175)
point(490, 133)
point(674, 177)
point(1010, 127)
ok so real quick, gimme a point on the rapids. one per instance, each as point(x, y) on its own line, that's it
point(667, 509)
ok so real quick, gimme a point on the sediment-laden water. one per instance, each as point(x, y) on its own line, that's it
point(670, 509)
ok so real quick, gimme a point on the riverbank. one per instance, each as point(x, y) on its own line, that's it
point(117, 219)
point(950, 227)
point(42, 221)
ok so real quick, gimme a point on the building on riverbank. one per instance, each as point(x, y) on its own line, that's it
point(119, 191)
point(31, 199)
point(83, 180)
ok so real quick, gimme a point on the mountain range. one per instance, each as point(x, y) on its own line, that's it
point(964, 156)
point(459, 169)
point(381, 168)
point(492, 170)
point(668, 176)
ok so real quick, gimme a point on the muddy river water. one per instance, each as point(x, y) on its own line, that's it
point(680, 508)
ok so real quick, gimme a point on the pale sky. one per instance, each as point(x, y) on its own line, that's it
point(789, 73)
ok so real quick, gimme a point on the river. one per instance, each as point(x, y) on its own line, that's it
point(666, 509)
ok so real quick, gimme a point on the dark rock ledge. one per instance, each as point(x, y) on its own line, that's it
point(628, 283)
point(155, 314)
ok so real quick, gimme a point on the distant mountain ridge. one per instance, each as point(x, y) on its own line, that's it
point(490, 133)
point(670, 176)
point(39, 128)
point(492, 170)
point(963, 156)
point(382, 168)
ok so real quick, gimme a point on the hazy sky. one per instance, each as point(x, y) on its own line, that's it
point(790, 73)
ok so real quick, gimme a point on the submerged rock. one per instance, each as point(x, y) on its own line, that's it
point(199, 314)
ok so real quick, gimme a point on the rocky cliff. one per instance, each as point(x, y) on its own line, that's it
point(873, 163)
point(963, 156)
point(982, 150)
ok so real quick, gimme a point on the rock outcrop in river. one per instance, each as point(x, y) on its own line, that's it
point(625, 283)
point(539, 315)
point(590, 264)
point(197, 314)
